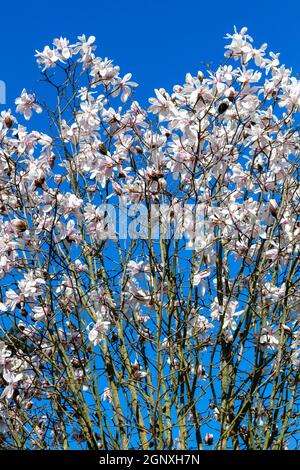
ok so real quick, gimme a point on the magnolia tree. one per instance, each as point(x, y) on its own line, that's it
point(149, 257)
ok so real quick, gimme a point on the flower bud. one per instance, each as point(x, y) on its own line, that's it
point(200, 76)
point(273, 207)
point(39, 181)
point(139, 374)
point(103, 148)
point(287, 330)
point(230, 93)
point(136, 366)
point(18, 225)
point(51, 161)
point(8, 122)
point(208, 439)
point(223, 107)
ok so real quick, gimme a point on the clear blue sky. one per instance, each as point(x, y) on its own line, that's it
point(158, 40)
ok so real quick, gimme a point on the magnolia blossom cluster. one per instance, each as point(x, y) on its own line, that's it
point(227, 139)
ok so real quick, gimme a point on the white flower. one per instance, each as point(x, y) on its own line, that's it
point(106, 395)
point(85, 48)
point(174, 363)
point(230, 315)
point(200, 275)
point(31, 285)
point(83, 268)
point(200, 371)
point(295, 357)
point(13, 299)
point(268, 339)
point(39, 313)
point(4, 353)
point(162, 104)
point(3, 307)
point(295, 347)
point(25, 104)
point(69, 232)
point(12, 381)
point(240, 45)
point(290, 97)
point(199, 326)
point(124, 86)
point(72, 203)
point(62, 45)
point(137, 268)
point(48, 58)
point(98, 331)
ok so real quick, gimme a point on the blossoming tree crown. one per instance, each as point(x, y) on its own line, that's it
point(146, 340)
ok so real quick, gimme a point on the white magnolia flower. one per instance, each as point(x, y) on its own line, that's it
point(3, 307)
point(106, 395)
point(4, 353)
point(39, 313)
point(198, 277)
point(98, 331)
point(47, 58)
point(162, 104)
point(230, 316)
point(268, 339)
point(25, 104)
point(199, 371)
point(12, 381)
point(124, 86)
point(62, 45)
